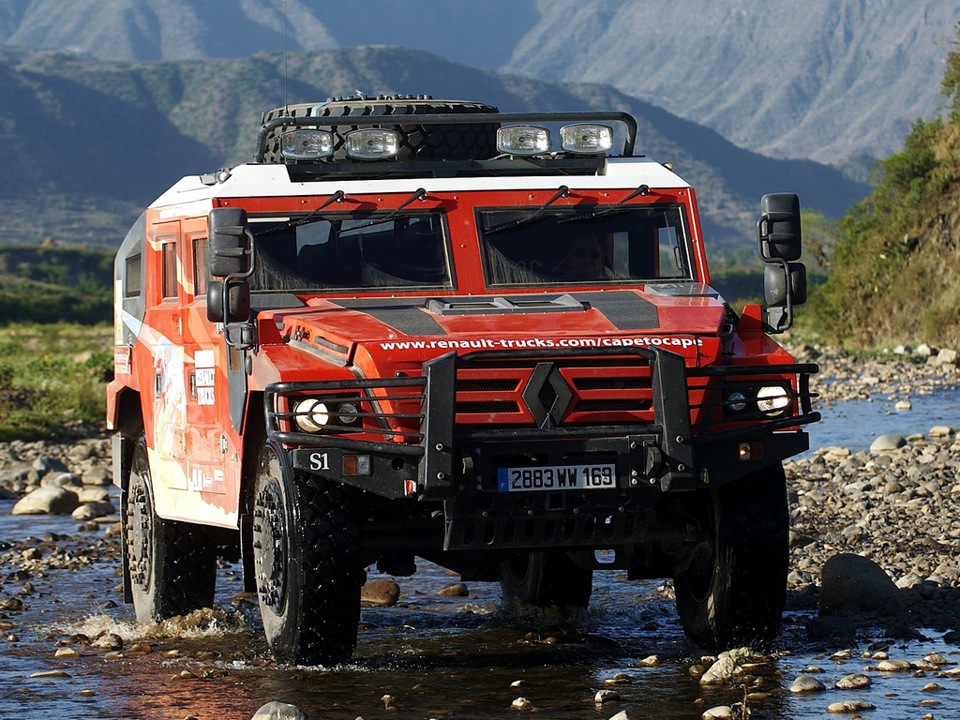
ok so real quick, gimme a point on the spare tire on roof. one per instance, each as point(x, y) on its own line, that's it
point(418, 141)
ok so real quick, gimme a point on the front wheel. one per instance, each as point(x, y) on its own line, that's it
point(731, 588)
point(306, 545)
point(545, 579)
point(171, 565)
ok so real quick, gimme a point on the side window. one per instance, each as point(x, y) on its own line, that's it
point(200, 267)
point(169, 252)
point(133, 266)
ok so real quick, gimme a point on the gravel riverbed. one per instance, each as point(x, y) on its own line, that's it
point(898, 508)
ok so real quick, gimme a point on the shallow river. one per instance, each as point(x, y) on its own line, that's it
point(435, 656)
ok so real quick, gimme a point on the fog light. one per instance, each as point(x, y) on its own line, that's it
point(523, 140)
point(312, 415)
point(306, 144)
point(586, 139)
point(736, 401)
point(348, 413)
point(372, 144)
point(773, 400)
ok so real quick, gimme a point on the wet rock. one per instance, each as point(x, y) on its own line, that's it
point(380, 593)
point(851, 583)
point(848, 707)
point(622, 715)
point(894, 666)
point(455, 590)
point(47, 501)
point(605, 696)
point(720, 712)
point(807, 684)
point(276, 710)
point(853, 681)
point(108, 641)
point(521, 703)
point(721, 672)
point(89, 511)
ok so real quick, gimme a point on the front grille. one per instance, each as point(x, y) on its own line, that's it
point(595, 390)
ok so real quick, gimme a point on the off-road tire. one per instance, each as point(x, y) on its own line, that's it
point(545, 579)
point(472, 141)
point(306, 546)
point(171, 565)
point(730, 592)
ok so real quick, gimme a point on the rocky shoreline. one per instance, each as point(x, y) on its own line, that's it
point(896, 507)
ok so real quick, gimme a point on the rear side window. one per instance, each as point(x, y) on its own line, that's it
point(131, 276)
point(169, 252)
point(201, 269)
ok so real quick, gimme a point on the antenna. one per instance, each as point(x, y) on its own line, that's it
point(286, 23)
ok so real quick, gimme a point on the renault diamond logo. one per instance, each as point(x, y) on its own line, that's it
point(547, 395)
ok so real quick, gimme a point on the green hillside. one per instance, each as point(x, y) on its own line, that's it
point(895, 272)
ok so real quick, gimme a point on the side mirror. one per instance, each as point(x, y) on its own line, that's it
point(778, 285)
point(230, 242)
point(778, 230)
point(237, 306)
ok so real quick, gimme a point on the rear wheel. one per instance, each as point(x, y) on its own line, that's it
point(307, 563)
point(731, 589)
point(171, 565)
point(545, 579)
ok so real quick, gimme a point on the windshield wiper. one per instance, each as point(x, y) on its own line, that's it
point(562, 191)
point(620, 207)
point(418, 194)
point(309, 217)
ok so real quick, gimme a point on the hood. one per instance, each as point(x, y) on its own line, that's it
point(683, 318)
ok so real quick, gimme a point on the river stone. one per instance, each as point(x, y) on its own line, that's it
point(946, 356)
point(848, 707)
point(89, 511)
point(722, 671)
point(850, 582)
point(940, 431)
point(380, 593)
point(455, 590)
point(47, 501)
point(807, 684)
point(276, 710)
point(59, 479)
point(720, 712)
point(887, 443)
point(93, 494)
point(96, 477)
point(853, 681)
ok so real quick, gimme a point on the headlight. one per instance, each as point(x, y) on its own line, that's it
point(311, 415)
point(773, 399)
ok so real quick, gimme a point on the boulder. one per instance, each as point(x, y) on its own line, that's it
point(47, 501)
point(276, 710)
point(851, 583)
point(887, 443)
point(380, 593)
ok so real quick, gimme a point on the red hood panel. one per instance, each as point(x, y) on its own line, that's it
point(420, 327)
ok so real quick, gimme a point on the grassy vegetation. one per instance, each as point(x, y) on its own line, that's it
point(895, 270)
point(53, 378)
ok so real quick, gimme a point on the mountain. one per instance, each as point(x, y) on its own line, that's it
point(87, 143)
point(838, 81)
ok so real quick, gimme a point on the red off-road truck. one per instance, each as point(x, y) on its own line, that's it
point(425, 328)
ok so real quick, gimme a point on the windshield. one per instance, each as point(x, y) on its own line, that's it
point(598, 245)
point(335, 252)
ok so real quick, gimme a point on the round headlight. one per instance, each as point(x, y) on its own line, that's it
point(736, 401)
point(348, 413)
point(311, 415)
point(772, 399)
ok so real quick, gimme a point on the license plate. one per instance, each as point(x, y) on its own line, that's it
point(557, 477)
